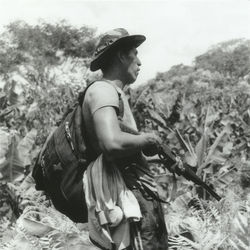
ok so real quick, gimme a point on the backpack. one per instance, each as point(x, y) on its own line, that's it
point(61, 163)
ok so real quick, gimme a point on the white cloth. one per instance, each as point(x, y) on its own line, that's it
point(110, 205)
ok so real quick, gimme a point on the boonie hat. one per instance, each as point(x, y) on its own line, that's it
point(110, 41)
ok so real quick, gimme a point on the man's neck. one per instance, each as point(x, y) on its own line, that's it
point(115, 78)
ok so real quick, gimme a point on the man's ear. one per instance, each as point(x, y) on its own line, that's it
point(121, 56)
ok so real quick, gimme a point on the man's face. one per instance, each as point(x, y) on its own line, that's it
point(131, 65)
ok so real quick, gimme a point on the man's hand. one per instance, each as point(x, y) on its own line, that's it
point(152, 145)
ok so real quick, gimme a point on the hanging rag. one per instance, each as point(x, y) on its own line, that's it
point(111, 205)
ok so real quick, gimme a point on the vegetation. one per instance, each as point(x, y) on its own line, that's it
point(43, 67)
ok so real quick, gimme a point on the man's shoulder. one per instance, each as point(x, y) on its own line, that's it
point(101, 87)
point(101, 94)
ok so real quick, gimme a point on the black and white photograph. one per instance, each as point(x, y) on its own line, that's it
point(124, 125)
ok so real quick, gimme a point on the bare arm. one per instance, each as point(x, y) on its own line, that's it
point(112, 141)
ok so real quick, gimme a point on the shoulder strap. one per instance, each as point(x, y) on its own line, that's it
point(83, 93)
point(121, 107)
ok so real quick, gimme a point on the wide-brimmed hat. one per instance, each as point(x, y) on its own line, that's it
point(110, 41)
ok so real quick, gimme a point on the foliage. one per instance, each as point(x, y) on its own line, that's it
point(199, 224)
point(210, 119)
point(40, 225)
point(209, 105)
point(43, 67)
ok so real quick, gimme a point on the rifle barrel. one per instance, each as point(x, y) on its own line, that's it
point(190, 175)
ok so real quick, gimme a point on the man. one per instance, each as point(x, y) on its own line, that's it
point(132, 198)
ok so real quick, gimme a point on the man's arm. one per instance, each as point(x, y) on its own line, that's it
point(115, 143)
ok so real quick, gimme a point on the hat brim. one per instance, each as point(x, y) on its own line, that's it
point(133, 41)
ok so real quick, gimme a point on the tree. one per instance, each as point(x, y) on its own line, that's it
point(43, 67)
point(30, 50)
point(229, 58)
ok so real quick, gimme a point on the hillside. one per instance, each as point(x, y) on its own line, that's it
point(43, 68)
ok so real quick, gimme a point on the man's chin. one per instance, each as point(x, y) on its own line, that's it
point(132, 80)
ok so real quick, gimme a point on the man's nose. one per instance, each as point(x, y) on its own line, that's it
point(138, 62)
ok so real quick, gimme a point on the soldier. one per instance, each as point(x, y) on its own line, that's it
point(123, 204)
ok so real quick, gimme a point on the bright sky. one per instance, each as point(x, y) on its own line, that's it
point(176, 30)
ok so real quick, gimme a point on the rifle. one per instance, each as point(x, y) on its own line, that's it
point(174, 164)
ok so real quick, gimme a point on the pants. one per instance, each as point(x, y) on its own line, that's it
point(152, 227)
